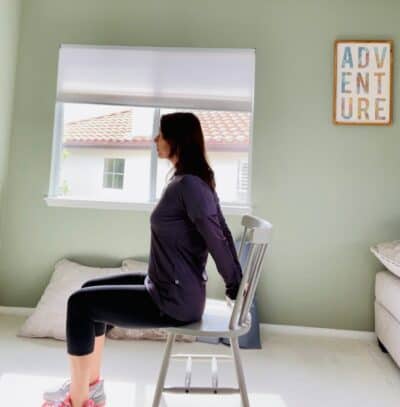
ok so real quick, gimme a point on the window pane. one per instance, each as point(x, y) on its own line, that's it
point(226, 136)
point(107, 180)
point(114, 165)
point(119, 165)
point(108, 165)
point(118, 181)
point(100, 143)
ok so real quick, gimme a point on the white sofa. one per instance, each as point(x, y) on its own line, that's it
point(387, 313)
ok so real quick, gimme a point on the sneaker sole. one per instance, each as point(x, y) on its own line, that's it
point(51, 404)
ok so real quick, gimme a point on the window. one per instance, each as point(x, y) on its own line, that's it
point(113, 173)
point(109, 103)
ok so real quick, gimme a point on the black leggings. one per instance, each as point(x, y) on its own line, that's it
point(121, 299)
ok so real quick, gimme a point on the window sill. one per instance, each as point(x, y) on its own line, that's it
point(227, 209)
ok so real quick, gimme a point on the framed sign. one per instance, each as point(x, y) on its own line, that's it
point(363, 82)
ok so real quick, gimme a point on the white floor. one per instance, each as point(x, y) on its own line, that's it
point(292, 370)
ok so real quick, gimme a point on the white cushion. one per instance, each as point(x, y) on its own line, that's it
point(134, 266)
point(48, 320)
point(387, 292)
point(49, 316)
point(155, 334)
point(388, 254)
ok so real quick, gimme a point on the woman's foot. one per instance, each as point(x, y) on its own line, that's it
point(67, 402)
point(96, 392)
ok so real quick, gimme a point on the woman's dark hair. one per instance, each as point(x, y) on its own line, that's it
point(183, 132)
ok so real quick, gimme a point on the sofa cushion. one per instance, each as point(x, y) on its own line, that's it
point(388, 253)
point(387, 292)
point(387, 329)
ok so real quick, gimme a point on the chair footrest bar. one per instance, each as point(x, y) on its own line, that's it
point(199, 356)
point(202, 390)
point(188, 375)
point(214, 374)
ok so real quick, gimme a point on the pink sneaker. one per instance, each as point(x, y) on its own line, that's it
point(96, 392)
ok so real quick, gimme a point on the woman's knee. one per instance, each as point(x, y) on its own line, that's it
point(78, 307)
point(76, 299)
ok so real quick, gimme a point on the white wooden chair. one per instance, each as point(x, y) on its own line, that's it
point(223, 318)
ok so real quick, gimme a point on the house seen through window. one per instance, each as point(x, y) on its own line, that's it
point(93, 135)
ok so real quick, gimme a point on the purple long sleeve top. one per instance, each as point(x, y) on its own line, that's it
point(186, 225)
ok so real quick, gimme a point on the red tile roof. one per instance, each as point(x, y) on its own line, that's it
point(222, 130)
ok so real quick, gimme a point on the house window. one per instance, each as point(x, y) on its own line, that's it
point(113, 176)
point(109, 104)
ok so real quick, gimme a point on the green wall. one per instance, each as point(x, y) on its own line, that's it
point(9, 29)
point(330, 191)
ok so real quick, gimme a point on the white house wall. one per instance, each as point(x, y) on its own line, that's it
point(225, 166)
point(82, 171)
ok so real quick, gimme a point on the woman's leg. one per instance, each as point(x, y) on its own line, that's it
point(80, 373)
point(119, 279)
point(96, 356)
point(95, 363)
point(87, 368)
point(89, 310)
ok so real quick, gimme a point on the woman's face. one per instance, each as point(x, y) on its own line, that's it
point(163, 147)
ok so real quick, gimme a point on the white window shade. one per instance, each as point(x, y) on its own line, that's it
point(193, 78)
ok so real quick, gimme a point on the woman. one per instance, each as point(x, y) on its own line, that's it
point(186, 224)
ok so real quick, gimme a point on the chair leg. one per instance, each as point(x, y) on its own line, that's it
point(239, 372)
point(163, 370)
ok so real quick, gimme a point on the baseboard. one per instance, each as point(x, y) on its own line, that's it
point(5, 310)
point(314, 331)
point(265, 329)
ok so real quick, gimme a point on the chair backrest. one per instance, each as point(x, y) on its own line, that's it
point(257, 235)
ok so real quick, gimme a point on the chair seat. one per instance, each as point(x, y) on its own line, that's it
point(214, 322)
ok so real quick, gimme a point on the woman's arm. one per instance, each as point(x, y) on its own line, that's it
point(203, 210)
